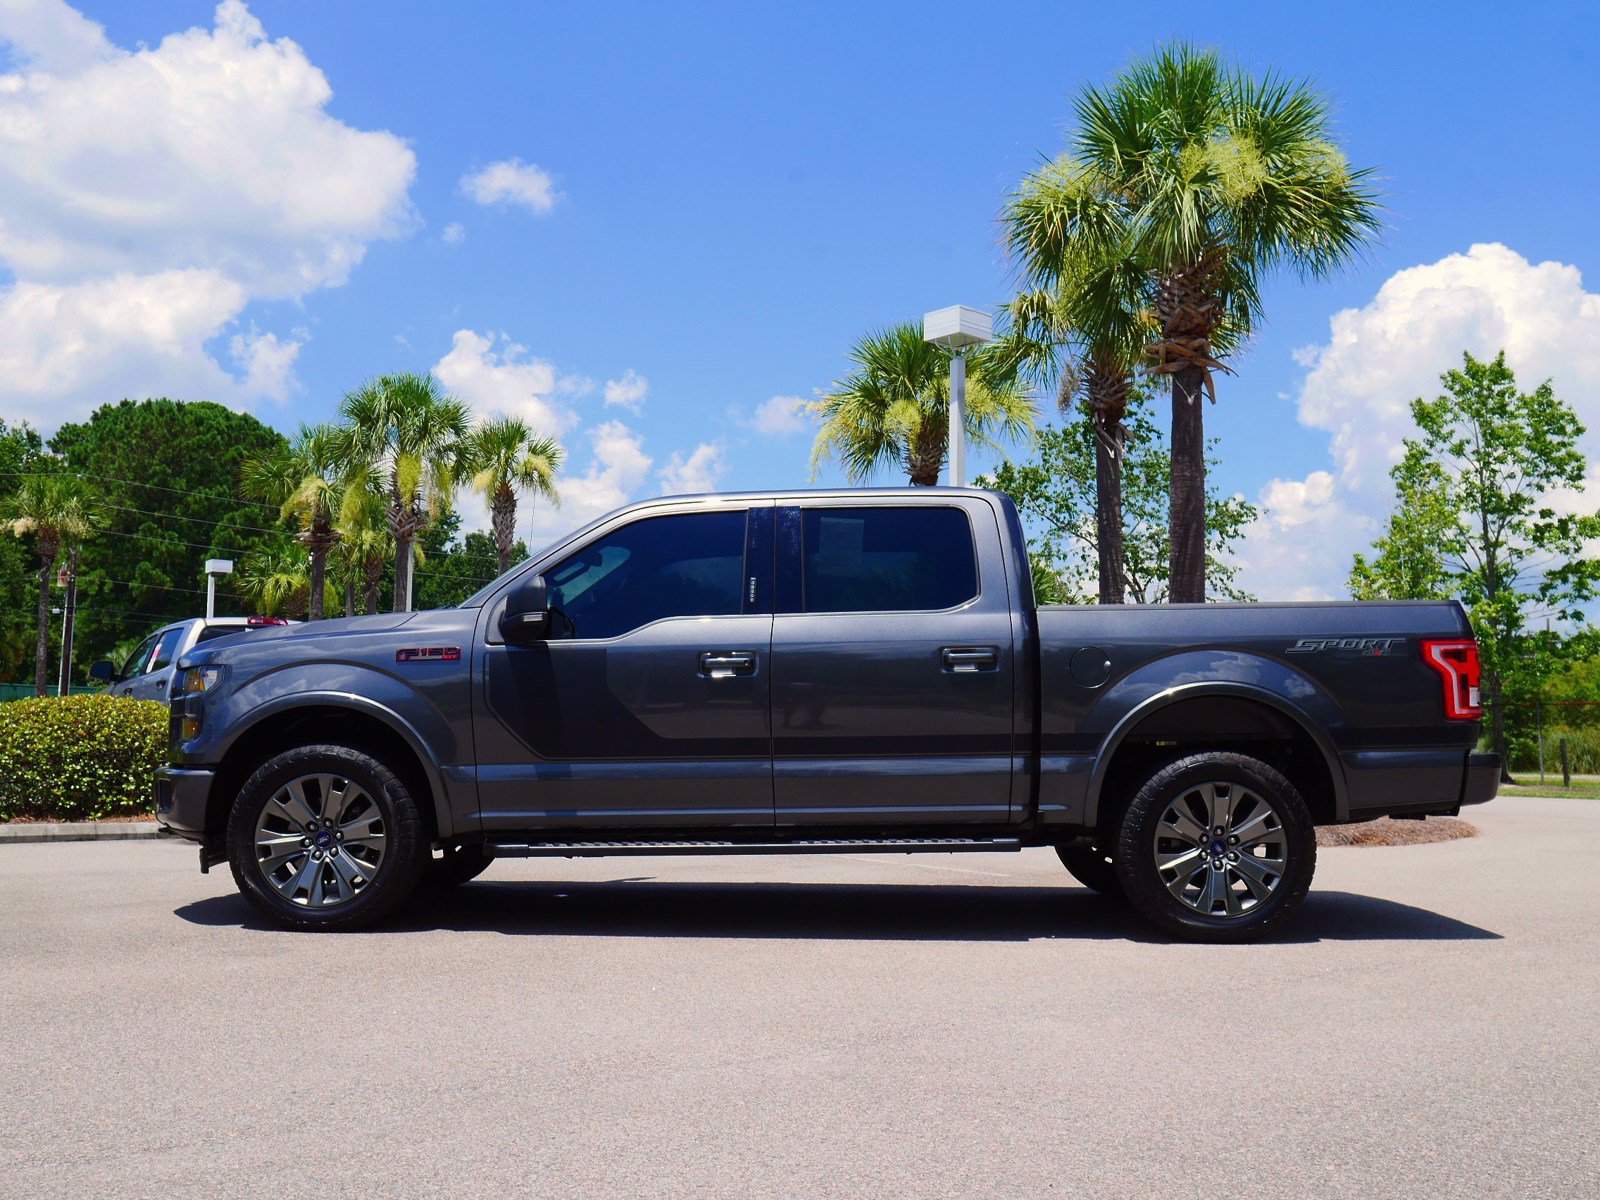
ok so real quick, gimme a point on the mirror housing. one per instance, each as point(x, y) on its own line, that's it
point(103, 671)
point(527, 615)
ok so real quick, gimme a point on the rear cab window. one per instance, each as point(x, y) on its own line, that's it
point(882, 559)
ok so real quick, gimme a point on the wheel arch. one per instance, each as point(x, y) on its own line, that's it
point(1206, 715)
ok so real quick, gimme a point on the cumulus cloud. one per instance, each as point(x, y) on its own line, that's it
point(628, 392)
point(496, 375)
point(454, 233)
point(513, 181)
point(618, 468)
point(152, 193)
point(1360, 383)
point(781, 416)
point(697, 471)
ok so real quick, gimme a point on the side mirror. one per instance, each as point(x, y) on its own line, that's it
point(103, 672)
point(527, 615)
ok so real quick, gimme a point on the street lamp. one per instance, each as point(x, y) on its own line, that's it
point(216, 568)
point(958, 329)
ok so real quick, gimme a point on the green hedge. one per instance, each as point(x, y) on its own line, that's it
point(79, 758)
point(1583, 751)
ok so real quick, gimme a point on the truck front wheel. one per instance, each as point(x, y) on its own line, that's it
point(1217, 847)
point(326, 837)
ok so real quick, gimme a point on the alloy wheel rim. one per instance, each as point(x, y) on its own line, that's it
point(1221, 849)
point(320, 840)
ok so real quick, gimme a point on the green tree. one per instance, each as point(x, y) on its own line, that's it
point(59, 511)
point(276, 578)
point(1408, 560)
point(170, 473)
point(365, 544)
point(1222, 177)
point(1495, 455)
point(505, 456)
point(306, 480)
point(20, 449)
point(1056, 494)
point(410, 434)
point(894, 409)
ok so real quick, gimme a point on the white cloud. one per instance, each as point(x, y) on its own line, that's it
point(1378, 358)
point(697, 471)
point(628, 392)
point(507, 380)
point(151, 194)
point(513, 181)
point(618, 469)
point(268, 363)
point(781, 416)
point(454, 233)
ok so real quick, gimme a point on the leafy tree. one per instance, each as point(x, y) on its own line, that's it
point(1491, 456)
point(59, 511)
point(409, 433)
point(306, 480)
point(20, 449)
point(365, 544)
point(276, 577)
point(1408, 560)
point(170, 473)
point(1056, 495)
point(504, 457)
point(456, 569)
point(1222, 177)
point(894, 409)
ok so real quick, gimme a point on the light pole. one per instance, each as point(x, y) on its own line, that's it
point(958, 329)
point(216, 568)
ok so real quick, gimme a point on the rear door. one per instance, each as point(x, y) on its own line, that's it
point(892, 665)
point(154, 681)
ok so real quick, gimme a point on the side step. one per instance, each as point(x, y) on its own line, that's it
point(520, 849)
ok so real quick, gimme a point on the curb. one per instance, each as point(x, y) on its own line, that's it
point(78, 831)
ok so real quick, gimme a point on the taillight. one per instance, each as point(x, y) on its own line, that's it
point(1457, 663)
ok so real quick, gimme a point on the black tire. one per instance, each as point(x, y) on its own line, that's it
point(395, 875)
point(458, 865)
point(1092, 867)
point(1155, 807)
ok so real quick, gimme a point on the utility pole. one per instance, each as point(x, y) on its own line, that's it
point(69, 611)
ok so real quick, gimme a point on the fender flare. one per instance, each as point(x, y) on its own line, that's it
point(432, 771)
point(1190, 691)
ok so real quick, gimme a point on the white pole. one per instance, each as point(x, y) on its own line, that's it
point(958, 419)
point(211, 597)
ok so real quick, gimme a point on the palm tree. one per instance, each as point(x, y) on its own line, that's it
point(60, 510)
point(365, 544)
point(504, 456)
point(894, 409)
point(306, 479)
point(275, 577)
point(407, 432)
point(1221, 178)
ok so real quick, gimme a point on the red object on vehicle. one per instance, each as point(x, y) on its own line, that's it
point(1458, 665)
point(258, 622)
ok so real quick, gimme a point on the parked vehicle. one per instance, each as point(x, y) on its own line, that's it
point(851, 671)
point(147, 672)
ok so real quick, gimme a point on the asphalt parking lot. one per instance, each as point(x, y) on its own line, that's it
point(859, 1026)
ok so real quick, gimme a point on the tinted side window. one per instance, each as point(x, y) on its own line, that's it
point(136, 660)
point(689, 565)
point(887, 559)
point(166, 649)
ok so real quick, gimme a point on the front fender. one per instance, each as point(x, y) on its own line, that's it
point(1195, 674)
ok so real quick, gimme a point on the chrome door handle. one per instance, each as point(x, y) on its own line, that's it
point(724, 664)
point(970, 658)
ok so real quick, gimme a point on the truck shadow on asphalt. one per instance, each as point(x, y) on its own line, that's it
point(640, 907)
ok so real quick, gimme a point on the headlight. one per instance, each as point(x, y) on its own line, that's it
point(193, 685)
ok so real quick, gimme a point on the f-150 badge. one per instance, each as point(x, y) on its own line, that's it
point(1371, 647)
point(428, 654)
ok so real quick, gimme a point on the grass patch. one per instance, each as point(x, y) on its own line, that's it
point(1580, 790)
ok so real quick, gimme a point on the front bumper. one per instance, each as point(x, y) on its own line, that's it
point(182, 794)
point(1483, 779)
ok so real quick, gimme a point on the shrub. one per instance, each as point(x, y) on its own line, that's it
point(1583, 751)
point(79, 758)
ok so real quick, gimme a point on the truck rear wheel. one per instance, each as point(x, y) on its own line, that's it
point(1092, 867)
point(326, 837)
point(1217, 847)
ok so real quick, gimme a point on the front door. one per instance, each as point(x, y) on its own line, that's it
point(648, 703)
point(892, 666)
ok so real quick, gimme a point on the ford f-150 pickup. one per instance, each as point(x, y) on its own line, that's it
point(812, 672)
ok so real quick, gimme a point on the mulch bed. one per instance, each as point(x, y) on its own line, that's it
point(1384, 832)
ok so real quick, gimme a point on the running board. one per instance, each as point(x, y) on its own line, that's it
point(512, 849)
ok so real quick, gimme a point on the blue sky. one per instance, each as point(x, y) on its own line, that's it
point(718, 199)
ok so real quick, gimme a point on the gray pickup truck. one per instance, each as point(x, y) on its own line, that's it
point(813, 672)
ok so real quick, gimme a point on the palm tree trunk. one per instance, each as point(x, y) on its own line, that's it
point(503, 519)
point(925, 456)
point(350, 596)
point(319, 575)
point(41, 669)
point(373, 566)
point(1108, 441)
point(1187, 520)
point(402, 571)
